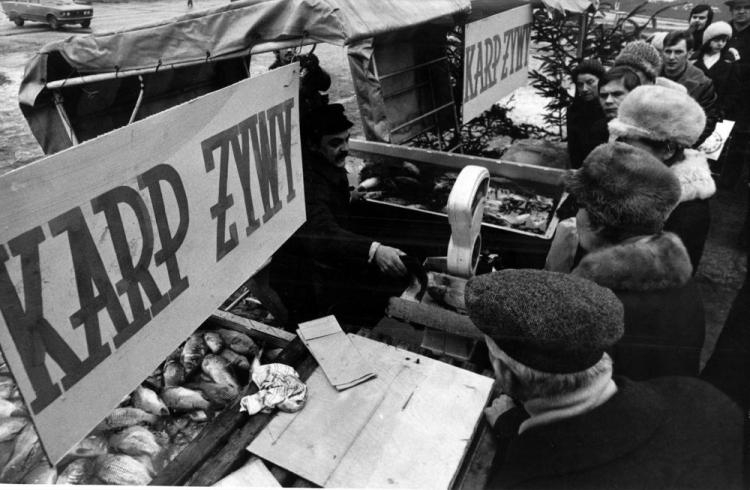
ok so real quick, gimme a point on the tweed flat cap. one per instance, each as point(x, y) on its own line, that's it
point(641, 56)
point(659, 113)
point(548, 321)
point(625, 187)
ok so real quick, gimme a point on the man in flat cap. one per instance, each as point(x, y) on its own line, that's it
point(324, 266)
point(547, 334)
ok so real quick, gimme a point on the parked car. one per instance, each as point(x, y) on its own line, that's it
point(52, 12)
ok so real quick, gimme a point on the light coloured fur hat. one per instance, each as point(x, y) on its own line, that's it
point(716, 29)
point(659, 113)
point(641, 56)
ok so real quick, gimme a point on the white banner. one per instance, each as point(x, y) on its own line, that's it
point(496, 59)
point(114, 251)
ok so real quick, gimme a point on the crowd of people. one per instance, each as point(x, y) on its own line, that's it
point(598, 356)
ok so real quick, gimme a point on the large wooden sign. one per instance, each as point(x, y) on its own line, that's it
point(114, 251)
point(496, 59)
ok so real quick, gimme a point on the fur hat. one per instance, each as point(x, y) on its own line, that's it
point(626, 188)
point(548, 321)
point(641, 56)
point(591, 66)
point(659, 113)
point(657, 40)
point(716, 29)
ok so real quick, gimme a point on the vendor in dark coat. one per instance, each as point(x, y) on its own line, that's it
point(564, 422)
point(584, 110)
point(625, 196)
point(324, 266)
point(666, 123)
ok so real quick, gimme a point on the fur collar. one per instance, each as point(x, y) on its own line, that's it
point(650, 263)
point(695, 176)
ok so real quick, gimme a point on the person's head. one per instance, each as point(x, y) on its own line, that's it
point(740, 10)
point(677, 48)
point(700, 16)
point(715, 37)
point(614, 86)
point(326, 132)
point(660, 120)
point(641, 57)
point(586, 78)
point(546, 332)
point(623, 191)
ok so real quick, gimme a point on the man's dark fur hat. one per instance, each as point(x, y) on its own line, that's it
point(548, 321)
point(624, 187)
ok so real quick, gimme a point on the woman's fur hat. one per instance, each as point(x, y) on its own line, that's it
point(626, 188)
point(641, 56)
point(659, 113)
point(716, 29)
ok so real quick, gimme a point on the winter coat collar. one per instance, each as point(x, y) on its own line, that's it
point(651, 263)
point(611, 431)
point(695, 176)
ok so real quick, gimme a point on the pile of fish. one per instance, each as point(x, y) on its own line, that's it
point(427, 188)
point(148, 428)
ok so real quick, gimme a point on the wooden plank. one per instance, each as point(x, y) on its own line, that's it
point(368, 435)
point(253, 474)
point(216, 434)
point(475, 472)
point(511, 170)
point(271, 335)
point(428, 315)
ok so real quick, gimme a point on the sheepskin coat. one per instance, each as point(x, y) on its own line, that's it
point(664, 316)
point(670, 432)
point(700, 88)
point(692, 217)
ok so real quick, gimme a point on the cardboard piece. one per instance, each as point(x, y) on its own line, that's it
point(339, 359)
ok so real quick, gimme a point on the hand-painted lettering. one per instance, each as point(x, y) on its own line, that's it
point(469, 88)
point(479, 72)
point(170, 243)
point(489, 75)
point(282, 114)
point(264, 150)
point(224, 201)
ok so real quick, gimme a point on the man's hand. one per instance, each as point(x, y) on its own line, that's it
point(499, 406)
point(388, 261)
point(735, 54)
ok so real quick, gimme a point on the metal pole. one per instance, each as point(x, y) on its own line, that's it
point(64, 116)
point(137, 102)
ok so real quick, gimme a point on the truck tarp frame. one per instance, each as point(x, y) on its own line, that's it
point(230, 30)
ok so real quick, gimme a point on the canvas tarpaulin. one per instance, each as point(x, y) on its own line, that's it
point(232, 29)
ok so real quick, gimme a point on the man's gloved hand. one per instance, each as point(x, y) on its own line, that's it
point(388, 261)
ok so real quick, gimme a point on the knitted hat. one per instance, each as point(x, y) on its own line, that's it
point(625, 187)
point(641, 56)
point(659, 113)
point(548, 321)
point(716, 29)
point(591, 66)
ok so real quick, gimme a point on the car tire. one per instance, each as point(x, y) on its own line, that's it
point(86, 23)
point(54, 24)
point(18, 21)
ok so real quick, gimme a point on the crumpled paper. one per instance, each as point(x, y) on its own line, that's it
point(279, 386)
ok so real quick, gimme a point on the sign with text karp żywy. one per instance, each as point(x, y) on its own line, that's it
point(114, 251)
point(496, 59)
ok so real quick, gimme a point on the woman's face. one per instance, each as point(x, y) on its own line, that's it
point(717, 44)
point(587, 86)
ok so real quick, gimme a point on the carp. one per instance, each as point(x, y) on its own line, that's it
point(121, 469)
point(174, 373)
point(10, 427)
point(125, 417)
point(184, 399)
point(149, 401)
point(11, 408)
point(218, 368)
point(214, 341)
point(78, 472)
point(41, 474)
point(135, 441)
point(27, 452)
point(217, 394)
point(193, 353)
point(8, 388)
point(238, 342)
point(237, 361)
point(91, 446)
